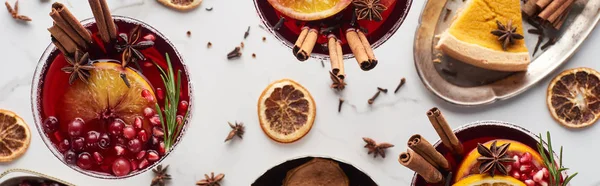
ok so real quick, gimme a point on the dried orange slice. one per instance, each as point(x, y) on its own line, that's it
point(309, 10)
point(286, 111)
point(574, 97)
point(183, 5)
point(14, 136)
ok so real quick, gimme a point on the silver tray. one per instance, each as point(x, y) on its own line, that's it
point(472, 86)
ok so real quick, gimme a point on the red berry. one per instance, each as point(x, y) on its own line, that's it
point(50, 124)
point(129, 132)
point(147, 95)
point(149, 37)
point(98, 157)
point(179, 119)
point(183, 106)
point(143, 163)
point(64, 145)
point(158, 132)
point(141, 155)
point(160, 93)
point(121, 141)
point(155, 120)
point(78, 144)
point(161, 148)
point(84, 160)
point(75, 128)
point(148, 112)
point(134, 165)
point(70, 157)
point(135, 145)
point(116, 127)
point(119, 150)
point(92, 138)
point(121, 167)
point(143, 136)
point(153, 155)
point(104, 141)
point(58, 136)
point(137, 123)
point(526, 158)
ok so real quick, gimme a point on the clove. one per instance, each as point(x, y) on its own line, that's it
point(340, 105)
point(402, 81)
point(384, 90)
point(247, 32)
point(279, 23)
point(370, 101)
point(234, 54)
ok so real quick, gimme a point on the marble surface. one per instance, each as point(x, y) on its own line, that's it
point(228, 91)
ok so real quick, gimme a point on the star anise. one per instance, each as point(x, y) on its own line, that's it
point(161, 176)
point(492, 158)
point(211, 180)
point(79, 67)
point(237, 129)
point(129, 45)
point(369, 9)
point(376, 148)
point(507, 34)
point(338, 83)
point(15, 12)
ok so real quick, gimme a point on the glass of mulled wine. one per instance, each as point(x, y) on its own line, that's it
point(485, 132)
point(377, 32)
point(115, 123)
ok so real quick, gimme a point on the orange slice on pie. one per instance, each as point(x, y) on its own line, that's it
point(309, 10)
point(14, 136)
point(573, 97)
point(286, 111)
point(183, 5)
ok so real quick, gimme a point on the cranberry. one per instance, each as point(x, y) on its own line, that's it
point(143, 163)
point(92, 138)
point(155, 120)
point(98, 157)
point(143, 136)
point(153, 155)
point(121, 167)
point(148, 112)
point(179, 120)
point(70, 157)
point(160, 93)
point(161, 148)
point(526, 158)
point(147, 95)
point(64, 145)
point(104, 141)
point(50, 124)
point(129, 132)
point(78, 144)
point(75, 128)
point(121, 141)
point(141, 155)
point(116, 127)
point(24, 183)
point(58, 136)
point(84, 160)
point(119, 150)
point(135, 145)
point(183, 106)
point(137, 123)
point(158, 132)
point(150, 37)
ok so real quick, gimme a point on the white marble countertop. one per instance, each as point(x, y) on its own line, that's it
point(228, 91)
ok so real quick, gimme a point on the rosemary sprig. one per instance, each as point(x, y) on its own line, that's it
point(172, 89)
point(555, 169)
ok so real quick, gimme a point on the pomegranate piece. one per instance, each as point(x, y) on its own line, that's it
point(70, 157)
point(526, 158)
point(134, 165)
point(149, 37)
point(546, 173)
point(148, 112)
point(155, 120)
point(147, 95)
point(129, 132)
point(64, 145)
point(153, 156)
point(135, 145)
point(539, 176)
point(160, 93)
point(516, 163)
point(137, 123)
point(92, 138)
point(84, 160)
point(143, 163)
point(516, 175)
point(141, 155)
point(179, 119)
point(529, 182)
point(104, 141)
point(75, 128)
point(161, 148)
point(158, 132)
point(116, 127)
point(119, 150)
point(525, 168)
point(155, 140)
point(183, 106)
point(121, 167)
point(98, 157)
point(78, 144)
point(143, 136)
point(50, 124)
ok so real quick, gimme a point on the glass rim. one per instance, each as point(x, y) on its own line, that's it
point(36, 90)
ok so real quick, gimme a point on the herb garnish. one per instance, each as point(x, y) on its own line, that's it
point(555, 169)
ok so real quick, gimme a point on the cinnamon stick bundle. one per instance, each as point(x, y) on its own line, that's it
point(368, 49)
point(415, 162)
point(441, 126)
point(361, 49)
point(530, 7)
point(552, 13)
point(104, 20)
point(420, 145)
point(62, 40)
point(336, 56)
point(305, 43)
point(64, 19)
point(300, 40)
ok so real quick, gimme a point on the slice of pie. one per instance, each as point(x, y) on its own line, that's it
point(469, 38)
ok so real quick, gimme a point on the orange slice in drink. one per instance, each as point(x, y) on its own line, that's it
point(481, 180)
point(286, 111)
point(183, 5)
point(573, 97)
point(309, 10)
point(14, 136)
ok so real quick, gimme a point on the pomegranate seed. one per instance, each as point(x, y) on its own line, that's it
point(98, 157)
point(155, 140)
point(149, 37)
point(179, 119)
point(508, 168)
point(525, 168)
point(543, 183)
point(526, 158)
point(92, 138)
point(50, 124)
point(135, 145)
point(183, 106)
point(147, 95)
point(539, 176)
point(546, 173)
point(75, 128)
point(64, 145)
point(160, 93)
point(148, 64)
point(532, 173)
point(155, 120)
point(121, 167)
point(58, 136)
point(143, 163)
point(153, 155)
point(137, 123)
point(148, 112)
point(141, 155)
point(116, 127)
point(516, 163)
point(70, 157)
point(84, 160)
point(143, 136)
point(134, 165)
point(119, 150)
point(78, 144)
point(529, 183)
point(516, 175)
point(157, 132)
point(104, 141)
point(129, 132)
point(161, 148)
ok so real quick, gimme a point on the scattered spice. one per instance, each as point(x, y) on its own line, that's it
point(384, 90)
point(237, 129)
point(211, 180)
point(508, 33)
point(402, 81)
point(264, 39)
point(189, 33)
point(261, 27)
point(535, 31)
point(369, 9)
point(129, 45)
point(79, 67)
point(209, 9)
point(340, 105)
point(448, 12)
point(242, 44)
point(160, 176)
point(253, 55)
point(125, 80)
point(550, 42)
point(375, 148)
point(15, 12)
point(539, 42)
point(235, 53)
point(493, 158)
point(338, 83)
point(372, 99)
point(279, 23)
point(247, 32)
point(208, 45)
point(322, 64)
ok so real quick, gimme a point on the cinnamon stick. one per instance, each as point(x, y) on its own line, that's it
point(340, 53)
point(104, 21)
point(70, 25)
point(551, 9)
point(530, 8)
point(560, 10)
point(558, 24)
point(541, 4)
point(358, 49)
point(441, 126)
point(61, 37)
point(368, 49)
point(300, 40)
point(333, 57)
point(59, 46)
point(420, 145)
point(415, 162)
point(307, 45)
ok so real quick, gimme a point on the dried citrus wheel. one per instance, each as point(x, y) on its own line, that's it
point(286, 111)
point(309, 10)
point(183, 5)
point(574, 97)
point(480, 180)
point(14, 136)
